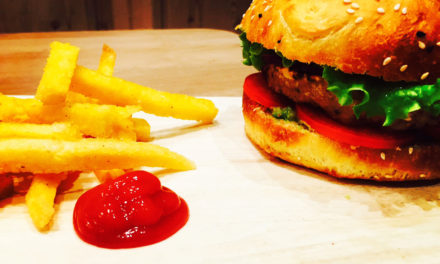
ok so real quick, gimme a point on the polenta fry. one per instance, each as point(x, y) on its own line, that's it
point(41, 197)
point(88, 154)
point(142, 129)
point(73, 98)
point(117, 91)
point(108, 175)
point(104, 121)
point(92, 119)
point(19, 110)
point(52, 131)
point(107, 61)
point(58, 73)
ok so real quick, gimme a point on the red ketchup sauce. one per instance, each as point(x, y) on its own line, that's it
point(132, 210)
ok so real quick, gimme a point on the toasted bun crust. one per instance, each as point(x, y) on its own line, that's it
point(355, 38)
point(299, 145)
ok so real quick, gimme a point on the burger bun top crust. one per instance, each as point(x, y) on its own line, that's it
point(395, 40)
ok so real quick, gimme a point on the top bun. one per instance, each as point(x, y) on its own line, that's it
point(397, 40)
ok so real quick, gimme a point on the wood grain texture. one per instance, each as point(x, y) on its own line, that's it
point(192, 61)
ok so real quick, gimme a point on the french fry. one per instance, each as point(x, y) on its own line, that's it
point(107, 61)
point(40, 198)
point(103, 121)
point(117, 91)
point(57, 74)
point(92, 119)
point(52, 131)
point(19, 110)
point(74, 98)
point(29, 110)
point(141, 129)
point(88, 154)
point(108, 175)
point(106, 67)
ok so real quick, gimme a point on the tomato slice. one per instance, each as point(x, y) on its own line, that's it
point(255, 87)
point(354, 136)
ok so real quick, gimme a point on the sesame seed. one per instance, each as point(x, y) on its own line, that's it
point(403, 68)
point(438, 43)
point(422, 175)
point(422, 45)
point(355, 6)
point(267, 8)
point(424, 76)
point(382, 156)
point(404, 11)
point(397, 7)
point(380, 10)
point(243, 15)
point(359, 20)
point(350, 11)
point(269, 23)
point(386, 61)
point(388, 176)
point(252, 17)
point(410, 150)
point(347, 1)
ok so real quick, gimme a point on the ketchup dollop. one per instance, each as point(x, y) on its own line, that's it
point(132, 210)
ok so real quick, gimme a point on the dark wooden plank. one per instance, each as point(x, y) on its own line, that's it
point(200, 13)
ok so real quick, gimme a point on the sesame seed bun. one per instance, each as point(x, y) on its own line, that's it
point(398, 42)
point(297, 144)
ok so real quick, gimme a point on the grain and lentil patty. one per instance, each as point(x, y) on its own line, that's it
point(303, 87)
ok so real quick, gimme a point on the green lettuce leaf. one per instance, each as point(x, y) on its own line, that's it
point(253, 54)
point(394, 100)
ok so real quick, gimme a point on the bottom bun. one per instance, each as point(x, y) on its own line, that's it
point(296, 143)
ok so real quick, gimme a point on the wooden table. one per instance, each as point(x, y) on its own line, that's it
point(192, 61)
point(245, 207)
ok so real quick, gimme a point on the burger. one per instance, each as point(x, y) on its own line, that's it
point(350, 88)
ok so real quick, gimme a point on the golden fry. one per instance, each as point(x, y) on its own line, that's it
point(41, 197)
point(19, 110)
point(73, 98)
point(91, 119)
point(141, 129)
point(52, 131)
point(89, 154)
point(107, 61)
point(117, 91)
point(58, 73)
point(104, 121)
point(108, 175)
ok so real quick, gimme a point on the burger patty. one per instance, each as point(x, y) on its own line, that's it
point(309, 87)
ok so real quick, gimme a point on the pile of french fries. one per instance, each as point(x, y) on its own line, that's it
point(81, 121)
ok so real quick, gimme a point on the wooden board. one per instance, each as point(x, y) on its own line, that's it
point(246, 207)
